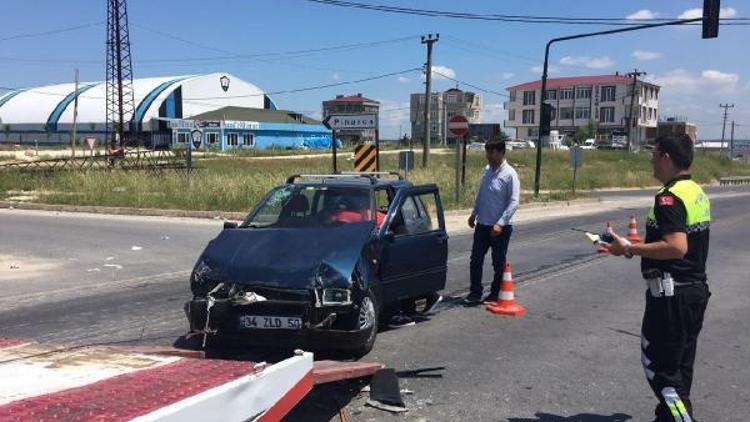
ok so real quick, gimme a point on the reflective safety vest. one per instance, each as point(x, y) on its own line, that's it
point(696, 203)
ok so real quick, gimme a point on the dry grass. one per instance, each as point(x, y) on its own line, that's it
point(230, 184)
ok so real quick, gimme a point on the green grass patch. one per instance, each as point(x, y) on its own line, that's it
point(236, 183)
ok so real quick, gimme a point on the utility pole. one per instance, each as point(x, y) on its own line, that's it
point(429, 40)
point(75, 119)
point(726, 108)
point(731, 142)
point(634, 74)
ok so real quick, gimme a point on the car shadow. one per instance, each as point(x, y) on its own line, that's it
point(581, 417)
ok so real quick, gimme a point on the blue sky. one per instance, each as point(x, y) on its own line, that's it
point(696, 74)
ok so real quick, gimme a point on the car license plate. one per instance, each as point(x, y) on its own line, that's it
point(270, 322)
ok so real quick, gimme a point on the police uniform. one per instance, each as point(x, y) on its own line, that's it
point(677, 296)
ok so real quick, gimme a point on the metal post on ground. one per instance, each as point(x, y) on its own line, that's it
point(75, 119)
point(458, 170)
point(335, 149)
point(463, 160)
point(731, 142)
point(377, 150)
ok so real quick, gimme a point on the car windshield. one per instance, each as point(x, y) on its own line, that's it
point(312, 206)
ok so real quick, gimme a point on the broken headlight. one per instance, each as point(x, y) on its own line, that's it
point(336, 297)
point(201, 279)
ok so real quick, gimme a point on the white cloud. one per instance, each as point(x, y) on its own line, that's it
point(646, 55)
point(442, 72)
point(538, 69)
point(724, 12)
point(721, 78)
point(643, 14)
point(493, 113)
point(404, 79)
point(507, 75)
point(711, 81)
point(589, 62)
point(336, 76)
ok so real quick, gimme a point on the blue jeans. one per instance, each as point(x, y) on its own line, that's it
point(483, 240)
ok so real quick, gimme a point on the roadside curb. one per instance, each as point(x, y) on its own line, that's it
point(151, 212)
point(237, 216)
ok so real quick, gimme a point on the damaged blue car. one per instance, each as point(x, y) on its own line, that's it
point(319, 262)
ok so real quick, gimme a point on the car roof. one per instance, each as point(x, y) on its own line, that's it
point(376, 180)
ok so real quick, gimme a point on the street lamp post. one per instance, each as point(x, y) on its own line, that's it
point(544, 118)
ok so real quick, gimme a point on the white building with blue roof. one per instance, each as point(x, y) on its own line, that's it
point(45, 114)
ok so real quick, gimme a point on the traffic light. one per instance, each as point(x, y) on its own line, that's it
point(711, 10)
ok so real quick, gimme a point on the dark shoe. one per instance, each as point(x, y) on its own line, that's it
point(489, 299)
point(432, 304)
point(399, 321)
point(471, 300)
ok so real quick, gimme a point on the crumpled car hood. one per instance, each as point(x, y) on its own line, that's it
point(291, 258)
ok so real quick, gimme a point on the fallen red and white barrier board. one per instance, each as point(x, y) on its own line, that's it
point(44, 382)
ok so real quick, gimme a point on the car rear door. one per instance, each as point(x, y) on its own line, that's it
point(414, 249)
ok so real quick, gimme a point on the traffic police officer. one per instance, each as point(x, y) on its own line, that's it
point(674, 266)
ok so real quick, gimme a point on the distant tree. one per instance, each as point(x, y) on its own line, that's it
point(585, 132)
point(500, 136)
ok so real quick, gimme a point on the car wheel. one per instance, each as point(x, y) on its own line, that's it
point(367, 319)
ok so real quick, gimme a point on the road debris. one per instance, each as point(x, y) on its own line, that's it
point(109, 258)
point(91, 270)
point(164, 237)
point(14, 266)
point(136, 248)
point(385, 393)
point(115, 266)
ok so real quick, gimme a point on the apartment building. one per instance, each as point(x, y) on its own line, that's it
point(352, 105)
point(443, 106)
point(605, 99)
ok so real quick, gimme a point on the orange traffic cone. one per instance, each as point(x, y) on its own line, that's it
point(633, 235)
point(506, 305)
point(603, 248)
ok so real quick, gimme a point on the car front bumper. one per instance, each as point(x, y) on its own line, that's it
point(225, 328)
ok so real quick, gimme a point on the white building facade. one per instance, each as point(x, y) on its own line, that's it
point(443, 106)
point(576, 101)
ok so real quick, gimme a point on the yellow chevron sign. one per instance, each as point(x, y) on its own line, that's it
point(365, 158)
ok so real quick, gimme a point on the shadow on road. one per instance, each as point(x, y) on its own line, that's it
point(582, 417)
point(326, 400)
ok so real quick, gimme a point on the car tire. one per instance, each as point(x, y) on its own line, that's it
point(367, 316)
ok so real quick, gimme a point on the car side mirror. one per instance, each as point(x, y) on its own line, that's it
point(230, 225)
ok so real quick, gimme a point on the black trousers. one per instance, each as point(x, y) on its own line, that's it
point(483, 240)
point(669, 336)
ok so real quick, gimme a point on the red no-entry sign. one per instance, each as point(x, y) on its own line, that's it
point(458, 126)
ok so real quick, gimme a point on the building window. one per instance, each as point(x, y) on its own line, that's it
point(566, 113)
point(232, 139)
point(421, 100)
point(566, 93)
point(512, 96)
point(533, 132)
point(248, 140)
point(211, 138)
point(583, 92)
point(183, 137)
point(608, 93)
point(552, 113)
point(550, 94)
point(529, 97)
point(451, 98)
point(512, 115)
point(528, 117)
point(607, 114)
point(451, 114)
point(583, 112)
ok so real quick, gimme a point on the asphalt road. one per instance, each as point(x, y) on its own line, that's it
point(575, 356)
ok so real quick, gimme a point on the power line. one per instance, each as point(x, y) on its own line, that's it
point(51, 32)
point(562, 20)
point(485, 90)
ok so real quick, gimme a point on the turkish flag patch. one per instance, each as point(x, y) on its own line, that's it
point(666, 200)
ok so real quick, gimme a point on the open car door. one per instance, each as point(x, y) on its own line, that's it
point(414, 245)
